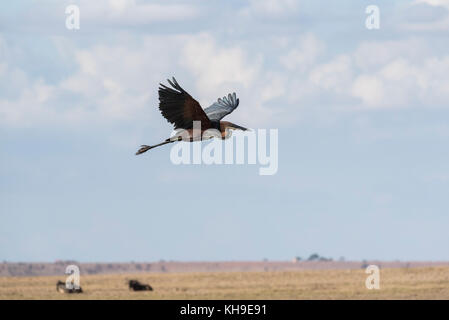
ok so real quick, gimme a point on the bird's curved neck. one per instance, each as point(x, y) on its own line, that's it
point(216, 124)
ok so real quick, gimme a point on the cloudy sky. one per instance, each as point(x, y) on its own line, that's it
point(362, 118)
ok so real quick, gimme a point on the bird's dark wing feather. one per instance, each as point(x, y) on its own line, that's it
point(179, 108)
point(222, 107)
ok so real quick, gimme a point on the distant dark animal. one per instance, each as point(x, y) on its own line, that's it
point(137, 286)
point(62, 288)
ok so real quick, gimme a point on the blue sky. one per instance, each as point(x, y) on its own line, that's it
point(362, 118)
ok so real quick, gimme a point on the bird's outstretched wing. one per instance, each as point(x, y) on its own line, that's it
point(179, 108)
point(222, 107)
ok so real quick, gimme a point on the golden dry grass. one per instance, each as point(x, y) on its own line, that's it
point(412, 283)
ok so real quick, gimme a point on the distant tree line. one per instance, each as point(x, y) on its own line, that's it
point(314, 257)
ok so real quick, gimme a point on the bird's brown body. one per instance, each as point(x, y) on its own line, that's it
point(222, 128)
point(189, 118)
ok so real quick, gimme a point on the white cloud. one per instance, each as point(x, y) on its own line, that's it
point(220, 70)
point(29, 107)
point(271, 9)
point(370, 89)
point(132, 12)
point(371, 55)
point(101, 17)
point(333, 75)
point(216, 66)
point(304, 55)
point(118, 81)
point(402, 74)
point(110, 83)
point(385, 74)
point(433, 20)
point(443, 3)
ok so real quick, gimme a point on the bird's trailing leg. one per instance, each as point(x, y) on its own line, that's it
point(145, 148)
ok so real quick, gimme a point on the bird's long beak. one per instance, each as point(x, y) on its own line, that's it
point(234, 126)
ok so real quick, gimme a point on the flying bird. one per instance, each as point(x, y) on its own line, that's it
point(180, 109)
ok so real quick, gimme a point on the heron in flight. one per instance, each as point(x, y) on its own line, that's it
point(180, 109)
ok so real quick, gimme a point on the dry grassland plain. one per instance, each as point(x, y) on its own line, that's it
point(395, 283)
